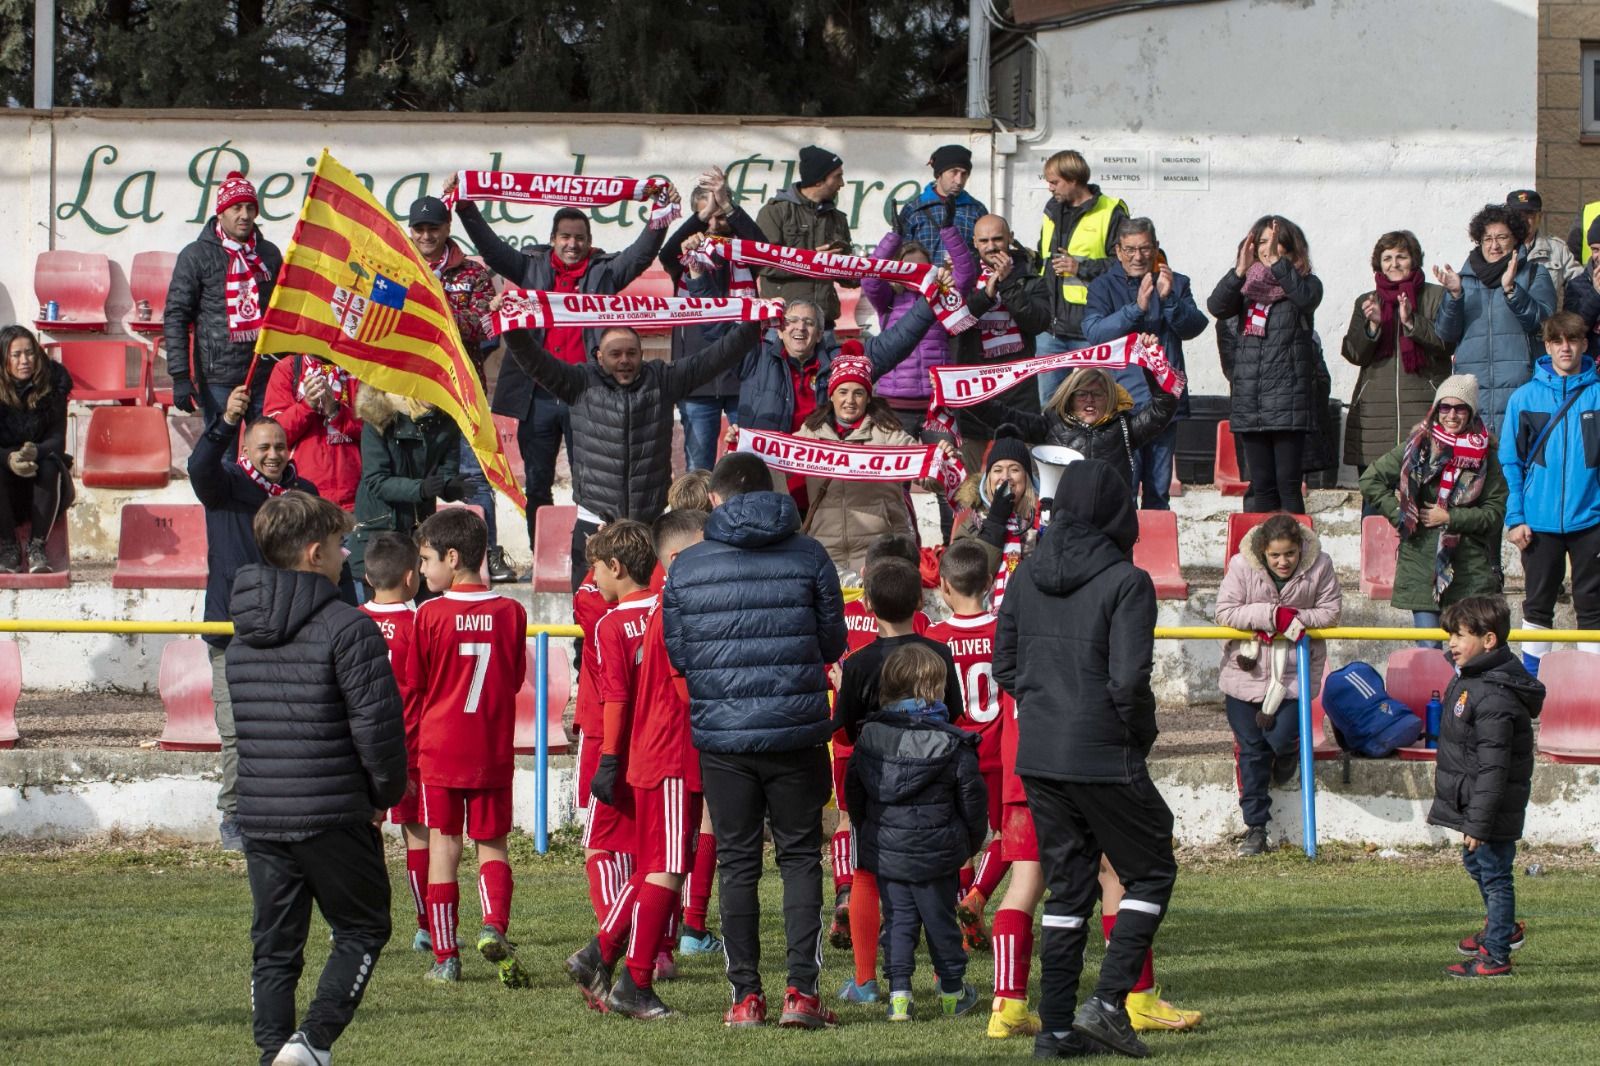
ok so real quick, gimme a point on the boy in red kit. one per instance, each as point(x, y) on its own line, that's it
point(624, 559)
point(600, 865)
point(392, 575)
point(470, 652)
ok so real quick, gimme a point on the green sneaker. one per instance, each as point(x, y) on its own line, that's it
point(955, 1004)
point(493, 946)
point(422, 942)
point(900, 1006)
point(447, 972)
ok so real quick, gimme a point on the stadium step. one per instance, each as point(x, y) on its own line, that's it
point(185, 687)
point(161, 546)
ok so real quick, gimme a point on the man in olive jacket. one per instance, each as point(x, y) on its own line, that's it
point(805, 215)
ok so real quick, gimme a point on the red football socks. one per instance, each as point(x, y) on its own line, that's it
point(1012, 937)
point(991, 869)
point(619, 921)
point(864, 920)
point(417, 879)
point(651, 919)
point(604, 884)
point(965, 875)
point(494, 893)
point(1147, 976)
point(843, 868)
point(697, 887)
point(442, 902)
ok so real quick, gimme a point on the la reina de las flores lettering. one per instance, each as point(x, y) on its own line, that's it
point(109, 198)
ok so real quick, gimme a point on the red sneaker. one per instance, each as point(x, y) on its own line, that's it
point(1471, 945)
point(805, 1012)
point(748, 1013)
point(1479, 966)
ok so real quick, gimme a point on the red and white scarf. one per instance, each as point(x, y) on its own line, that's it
point(741, 279)
point(1467, 452)
point(246, 271)
point(338, 380)
point(526, 309)
point(564, 190)
point(844, 461)
point(949, 306)
point(1011, 556)
point(999, 330)
point(271, 488)
point(1255, 319)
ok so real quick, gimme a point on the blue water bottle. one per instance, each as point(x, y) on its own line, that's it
point(1435, 712)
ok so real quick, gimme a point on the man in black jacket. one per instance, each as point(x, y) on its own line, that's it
point(621, 448)
point(321, 757)
point(1074, 645)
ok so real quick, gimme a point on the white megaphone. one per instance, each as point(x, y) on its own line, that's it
point(1051, 460)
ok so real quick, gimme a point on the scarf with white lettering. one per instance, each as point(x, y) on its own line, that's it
point(998, 329)
point(1458, 463)
point(741, 279)
point(564, 190)
point(271, 488)
point(845, 461)
point(525, 309)
point(245, 273)
point(949, 306)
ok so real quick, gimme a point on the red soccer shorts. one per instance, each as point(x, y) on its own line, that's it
point(588, 762)
point(1018, 840)
point(409, 810)
point(668, 818)
point(485, 812)
point(840, 765)
point(612, 828)
point(994, 781)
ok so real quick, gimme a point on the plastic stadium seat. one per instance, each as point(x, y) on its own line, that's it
point(185, 687)
point(1569, 727)
point(506, 427)
point(1380, 543)
point(1156, 553)
point(1175, 490)
point(99, 370)
point(57, 553)
point(10, 689)
point(552, 547)
point(148, 280)
point(127, 448)
point(161, 546)
point(79, 283)
point(1242, 522)
point(525, 742)
point(1227, 463)
point(1411, 676)
point(653, 282)
point(1325, 747)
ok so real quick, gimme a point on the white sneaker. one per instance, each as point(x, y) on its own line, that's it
point(299, 1052)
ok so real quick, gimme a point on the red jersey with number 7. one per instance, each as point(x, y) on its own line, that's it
point(970, 639)
point(397, 623)
point(471, 652)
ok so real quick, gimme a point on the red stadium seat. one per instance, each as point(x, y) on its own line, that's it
point(148, 280)
point(506, 428)
point(10, 689)
point(1227, 463)
point(99, 370)
point(653, 282)
point(127, 448)
point(79, 283)
point(1175, 490)
point(57, 553)
point(185, 687)
point(1411, 676)
point(1325, 747)
point(161, 546)
point(1242, 522)
point(526, 740)
point(552, 547)
point(1569, 727)
point(1380, 543)
point(1156, 553)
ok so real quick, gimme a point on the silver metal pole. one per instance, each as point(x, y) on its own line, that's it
point(44, 54)
point(977, 60)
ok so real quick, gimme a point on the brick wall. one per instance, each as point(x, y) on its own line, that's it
point(1569, 164)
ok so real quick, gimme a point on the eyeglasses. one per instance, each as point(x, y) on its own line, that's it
point(1462, 409)
point(1137, 250)
point(808, 323)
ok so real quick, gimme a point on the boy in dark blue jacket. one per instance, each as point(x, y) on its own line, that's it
point(921, 810)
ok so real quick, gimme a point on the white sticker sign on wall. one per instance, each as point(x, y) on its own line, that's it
point(1180, 170)
point(1120, 168)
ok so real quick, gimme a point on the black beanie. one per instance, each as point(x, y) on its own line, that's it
point(1008, 444)
point(816, 164)
point(1593, 236)
point(1097, 495)
point(950, 155)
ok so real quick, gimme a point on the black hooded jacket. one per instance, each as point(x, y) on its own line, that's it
point(1075, 638)
point(321, 738)
point(197, 305)
point(1484, 773)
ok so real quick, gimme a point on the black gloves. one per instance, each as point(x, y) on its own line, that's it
point(453, 489)
point(430, 487)
point(993, 530)
point(183, 395)
point(895, 218)
point(603, 785)
point(949, 213)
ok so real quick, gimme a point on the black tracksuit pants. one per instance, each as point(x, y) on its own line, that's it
point(1076, 823)
point(1544, 564)
point(342, 871)
point(786, 790)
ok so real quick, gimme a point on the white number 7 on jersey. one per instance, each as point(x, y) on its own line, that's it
point(481, 667)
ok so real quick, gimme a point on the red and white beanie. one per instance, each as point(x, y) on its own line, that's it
point(850, 365)
point(236, 189)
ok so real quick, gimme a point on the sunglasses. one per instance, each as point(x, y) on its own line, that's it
point(1462, 409)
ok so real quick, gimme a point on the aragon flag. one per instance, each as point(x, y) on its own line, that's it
point(354, 291)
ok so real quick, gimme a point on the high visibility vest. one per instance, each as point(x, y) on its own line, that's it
point(1590, 212)
point(1088, 241)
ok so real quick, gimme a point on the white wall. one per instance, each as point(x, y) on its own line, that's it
point(1351, 117)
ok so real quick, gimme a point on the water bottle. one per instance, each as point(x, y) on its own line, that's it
point(1435, 713)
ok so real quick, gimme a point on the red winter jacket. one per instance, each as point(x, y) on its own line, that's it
point(326, 452)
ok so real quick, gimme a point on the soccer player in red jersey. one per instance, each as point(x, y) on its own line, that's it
point(391, 572)
point(600, 866)
point(470, 652)
point(623, 556)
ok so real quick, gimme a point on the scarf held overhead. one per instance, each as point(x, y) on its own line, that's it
point(1458, 464)
point(246, 271)
point(525, 309)
point(854, 462)
point(966, 386)
point(564, 190)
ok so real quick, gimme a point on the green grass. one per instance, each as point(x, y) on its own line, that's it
point(143, 956)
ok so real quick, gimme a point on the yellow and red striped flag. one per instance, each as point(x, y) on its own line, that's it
point(354, 291)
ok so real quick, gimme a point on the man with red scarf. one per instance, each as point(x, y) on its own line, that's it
point(219, 291)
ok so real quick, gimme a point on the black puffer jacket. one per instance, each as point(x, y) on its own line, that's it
point(197, 300)
point(622, 434)
point(321, 735)
point(397, 453)
point(917, 798)
point(1075, 638)
point(753, 616)
point(1484, 774)
point(1273, 377)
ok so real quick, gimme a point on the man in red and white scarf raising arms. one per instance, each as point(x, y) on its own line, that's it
point(569, 263)
point(219, 291)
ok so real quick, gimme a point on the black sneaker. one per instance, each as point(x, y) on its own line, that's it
point(1255, 841)
point(10, 557)
point(1108, 1025)
point(587, 966)
point(37, 563)
point(1285, 768)
point(501, 572)
point(1070, 1046)
point(626, 997)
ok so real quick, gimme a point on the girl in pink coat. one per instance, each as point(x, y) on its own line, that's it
point(1279, 585)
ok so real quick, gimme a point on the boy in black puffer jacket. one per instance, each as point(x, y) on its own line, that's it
point(921, 810)
point(322, 755)
point(1485, 771)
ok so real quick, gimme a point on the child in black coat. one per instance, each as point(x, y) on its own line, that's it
point(921, 811)
point(1485, 771)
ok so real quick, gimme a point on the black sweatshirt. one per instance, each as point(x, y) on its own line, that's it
point(858, 687)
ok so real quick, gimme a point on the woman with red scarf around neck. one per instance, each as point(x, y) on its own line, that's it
point(1443, 490)
point(1402, 360)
